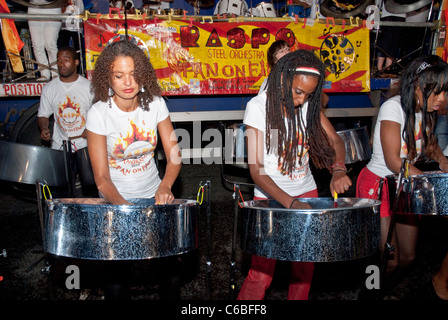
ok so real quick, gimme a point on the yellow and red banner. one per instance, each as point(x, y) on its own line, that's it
point(229, 57)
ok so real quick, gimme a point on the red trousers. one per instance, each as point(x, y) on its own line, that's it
point(367, 187)
point(262, 270)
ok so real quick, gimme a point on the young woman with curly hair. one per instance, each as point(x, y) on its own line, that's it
point(285, 128)
point(123, 127)
point(124, 124)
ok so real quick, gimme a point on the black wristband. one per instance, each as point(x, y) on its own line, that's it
point(295, 199)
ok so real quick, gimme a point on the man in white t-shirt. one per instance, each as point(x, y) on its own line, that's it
point(67, 99)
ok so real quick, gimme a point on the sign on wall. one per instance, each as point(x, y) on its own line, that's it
point(221, 57)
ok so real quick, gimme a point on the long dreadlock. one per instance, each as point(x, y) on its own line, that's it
point(287, 120)
point(430, 74)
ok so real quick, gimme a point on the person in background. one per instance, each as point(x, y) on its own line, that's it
point(291, 107)
point(389, 38)
point(71, 33)
point(404, 129)
point(44, 37)
point(122, 5)
point(67, 99)
point(126, 121)
point(277, 50)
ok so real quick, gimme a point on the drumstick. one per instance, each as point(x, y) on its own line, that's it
point(335, 199)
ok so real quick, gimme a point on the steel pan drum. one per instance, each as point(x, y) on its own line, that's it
point(90, 228)
point(357, 144)
point(236, 7)
point(321, 234)
point(425, 194)
point(235, 151)
point(26, 163)
point(265, 9)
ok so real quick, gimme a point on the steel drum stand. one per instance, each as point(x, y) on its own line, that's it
point(236, 197)
point(208, 262)
point(67, 146)
point(46, 271)
point(388, 247)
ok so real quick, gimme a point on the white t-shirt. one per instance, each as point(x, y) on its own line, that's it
point(68, 102)
point(391, 110)
point(295, 183)
point(131, 141)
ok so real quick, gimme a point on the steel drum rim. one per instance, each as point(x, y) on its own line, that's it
point(176, 202)
point(371, 203)
point(353, 129)
point(425, 174)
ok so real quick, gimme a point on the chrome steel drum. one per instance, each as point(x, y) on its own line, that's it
point(425, 194)
point(26, 163)
point(265, 9)
point(321, 234)
point(357, 144)
point(90, 228)
point(235, 151)
point(237, 7)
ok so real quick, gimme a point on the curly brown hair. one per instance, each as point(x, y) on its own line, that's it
point(145, 74)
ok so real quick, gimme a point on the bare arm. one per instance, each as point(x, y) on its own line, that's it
point(173, 161)
point(441, 159)
point(339, 179)
point(390, 135)
point(44, 129)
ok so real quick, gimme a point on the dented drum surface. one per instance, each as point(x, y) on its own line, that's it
point(321, 234)
point(90, 228)
point(425, 194)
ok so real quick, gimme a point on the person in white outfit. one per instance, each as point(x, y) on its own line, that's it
point(44, 37)
point(71, 29)
point(67, 99)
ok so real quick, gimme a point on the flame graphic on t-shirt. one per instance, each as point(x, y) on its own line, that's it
point(69, 112)
point(133, 136)
point(417, 136)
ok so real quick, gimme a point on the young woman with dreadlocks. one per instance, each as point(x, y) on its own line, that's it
point(289, 112)
point(404, 129)
point(123, 125)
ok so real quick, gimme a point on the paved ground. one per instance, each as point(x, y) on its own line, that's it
point(208, 274)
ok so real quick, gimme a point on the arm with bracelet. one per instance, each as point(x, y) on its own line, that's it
point(340, 182)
